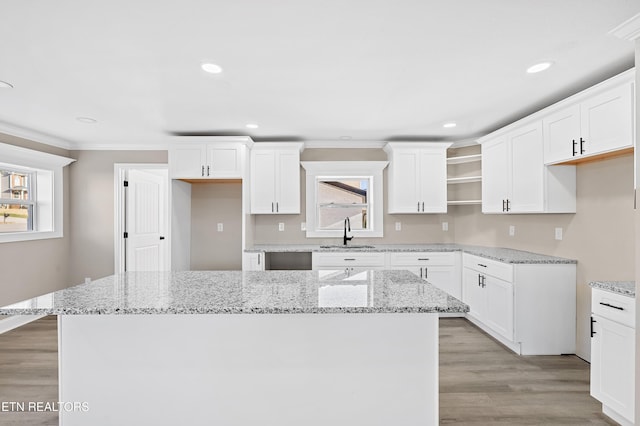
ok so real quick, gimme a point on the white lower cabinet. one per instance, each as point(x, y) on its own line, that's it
point(253, 262)
point(349, 262)
point(613, 354)
point(440, 269)
point(530, 308)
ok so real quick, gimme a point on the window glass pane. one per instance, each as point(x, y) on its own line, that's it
point(16, 218)
point(339, 198)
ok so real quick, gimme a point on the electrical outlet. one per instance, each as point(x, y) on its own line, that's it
point(398, 226)
point(281, 226)
point(445, 226)
point(87, 280)
point(512, 230)
point(558, 234)
point(220, 227)
point(303, 226)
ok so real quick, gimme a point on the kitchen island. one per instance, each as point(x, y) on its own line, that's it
point(244, 348)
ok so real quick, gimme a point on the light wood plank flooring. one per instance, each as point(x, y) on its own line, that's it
point(481, 382)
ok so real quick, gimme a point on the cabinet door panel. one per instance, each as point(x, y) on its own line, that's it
point(473, 294)
point(527, 170)
point(607, 120)
point(405, 195)
point(444, 278)
point(223, 161)
point(287, 180)
point(612, 360)
point(499, 313)
point(263, 177)
point(188, 161)
point(561, 129)
point(433, 183)
point(495, 171)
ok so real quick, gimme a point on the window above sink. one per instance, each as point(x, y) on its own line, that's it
point(337, 190)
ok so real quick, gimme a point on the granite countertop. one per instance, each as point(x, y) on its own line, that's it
point(500, 254)
point(625, 288)
point(237, 292)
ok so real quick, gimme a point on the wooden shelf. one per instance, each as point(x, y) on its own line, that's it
point(464, 159)
point(464, 179)
point(463, 202)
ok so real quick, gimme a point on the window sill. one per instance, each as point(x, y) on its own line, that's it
point(29, 236)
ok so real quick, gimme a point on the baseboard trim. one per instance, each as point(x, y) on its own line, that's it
point(15, 321)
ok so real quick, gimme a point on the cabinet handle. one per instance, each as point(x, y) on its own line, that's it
point(420, 272)
point(574, 152)
point(612, 306)
point(418, 205)
point(423, 258)
point(480, 264)
point(426, 273)
point(277, 208)
point(208, 167)
point(348, 258)
point(592, 332)
point(508, 208)
point(202, 170)
point(582, 141)
point(479, 280)
point(423, 206)
point(272, 207)
point(503, 205)
point(484, 281)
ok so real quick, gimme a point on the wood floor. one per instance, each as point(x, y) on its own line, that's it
point(481, 382)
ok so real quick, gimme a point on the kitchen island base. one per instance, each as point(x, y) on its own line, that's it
point(266, 369)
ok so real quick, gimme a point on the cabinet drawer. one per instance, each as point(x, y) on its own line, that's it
point(501, 270)
point(422, 259)
point(347, 259)
point(616, 307)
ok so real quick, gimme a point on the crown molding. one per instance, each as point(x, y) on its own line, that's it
point(120, 147)
point(629, 29)
point(344, 144)
point(35, 136)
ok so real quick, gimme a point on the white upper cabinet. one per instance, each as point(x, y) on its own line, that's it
point(215, 158)
point(515, 179)
point(599, 120)
point(417, 179)
point(275, 178)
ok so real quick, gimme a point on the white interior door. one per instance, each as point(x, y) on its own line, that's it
point(146, 212)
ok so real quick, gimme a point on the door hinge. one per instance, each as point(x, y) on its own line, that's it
point(126, 235)
point(126, 183)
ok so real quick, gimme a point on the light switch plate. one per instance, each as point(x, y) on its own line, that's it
point(512, 230)
point(220, 227)
point(445, 226)
point(303, 226)
point(398, 226)
point(281, 226)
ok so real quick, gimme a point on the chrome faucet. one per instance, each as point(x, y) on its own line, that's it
point(347, 225)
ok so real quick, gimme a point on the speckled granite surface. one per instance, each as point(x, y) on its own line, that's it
point(236, 292)
point(626, 288)
point(498, 253)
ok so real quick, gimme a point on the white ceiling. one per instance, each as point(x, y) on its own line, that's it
point(311, 70)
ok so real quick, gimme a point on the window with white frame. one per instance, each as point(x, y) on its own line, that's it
point(341, 190)
point(30, 194)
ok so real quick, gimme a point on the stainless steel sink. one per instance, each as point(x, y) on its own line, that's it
point(339, 246)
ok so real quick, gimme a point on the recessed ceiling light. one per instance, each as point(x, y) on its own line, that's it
point(5, 85)
point(251, 126)
point(212, 68)
point(538, 67)
point(86, 120)
point(449, 125)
